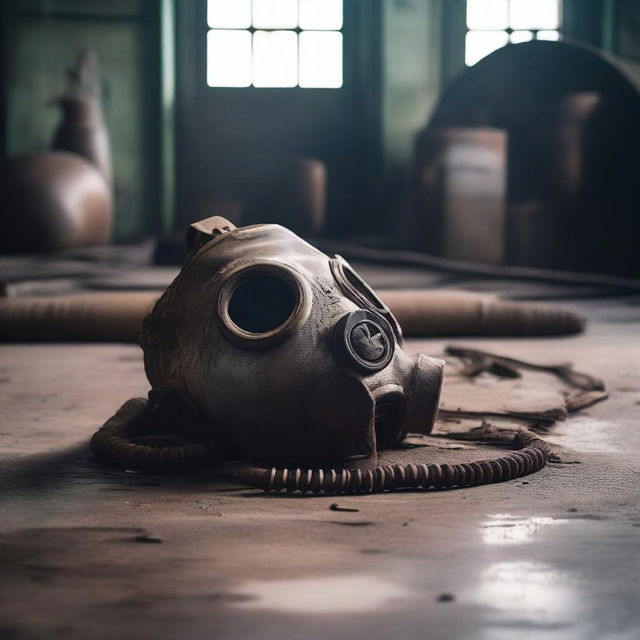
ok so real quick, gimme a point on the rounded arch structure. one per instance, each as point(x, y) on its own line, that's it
point(513, 77)
point(571, 115)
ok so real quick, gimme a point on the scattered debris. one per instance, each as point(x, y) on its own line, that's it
point(554, 458)
point(147, 538)
point(487, 431)
point(477, 364)
point(484, 361)
point(446, 597)
point(585, 399)
point(336, 507)
point(221, 596)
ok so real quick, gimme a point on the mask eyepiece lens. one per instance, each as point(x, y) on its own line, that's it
point(262, 304)
point(358, 291)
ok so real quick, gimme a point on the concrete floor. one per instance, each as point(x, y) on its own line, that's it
point(87, 552)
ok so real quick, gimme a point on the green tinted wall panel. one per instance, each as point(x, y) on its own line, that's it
point(411, 72)
point(41, 46)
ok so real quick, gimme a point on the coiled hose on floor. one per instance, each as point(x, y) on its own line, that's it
point(531, 455)
point(113, 444)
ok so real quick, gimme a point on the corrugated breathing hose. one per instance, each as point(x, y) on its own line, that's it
point(113, 445)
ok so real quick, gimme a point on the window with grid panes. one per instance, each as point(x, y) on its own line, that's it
point(492, 24)
point(274, 43)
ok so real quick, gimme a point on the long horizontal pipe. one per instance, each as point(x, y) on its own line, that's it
point(117, 316)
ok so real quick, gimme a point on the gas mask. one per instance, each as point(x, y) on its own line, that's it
point(266, 350)
point(285, 355)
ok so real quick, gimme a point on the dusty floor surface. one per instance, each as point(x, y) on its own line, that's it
point(87, 552)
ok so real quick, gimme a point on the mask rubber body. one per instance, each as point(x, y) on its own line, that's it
point(285, 355)
point(266, 350)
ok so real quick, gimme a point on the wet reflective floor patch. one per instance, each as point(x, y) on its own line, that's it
point(322, 595)
point(503, 528)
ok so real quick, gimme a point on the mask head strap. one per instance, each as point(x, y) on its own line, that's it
point(201, 232)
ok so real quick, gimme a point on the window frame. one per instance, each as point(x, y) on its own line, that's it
point(252, 30)
point(509, 31)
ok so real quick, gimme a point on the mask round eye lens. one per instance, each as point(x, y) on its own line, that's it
point(262, 304)
point(355, 286)
point(357, 290)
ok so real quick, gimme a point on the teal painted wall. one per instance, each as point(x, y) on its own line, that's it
point(625, 18)
point(41, 41)
point(411, 61)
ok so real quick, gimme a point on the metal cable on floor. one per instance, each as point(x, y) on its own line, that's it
point(450, 265)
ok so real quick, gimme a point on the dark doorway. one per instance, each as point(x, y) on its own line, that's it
point(237, 143)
